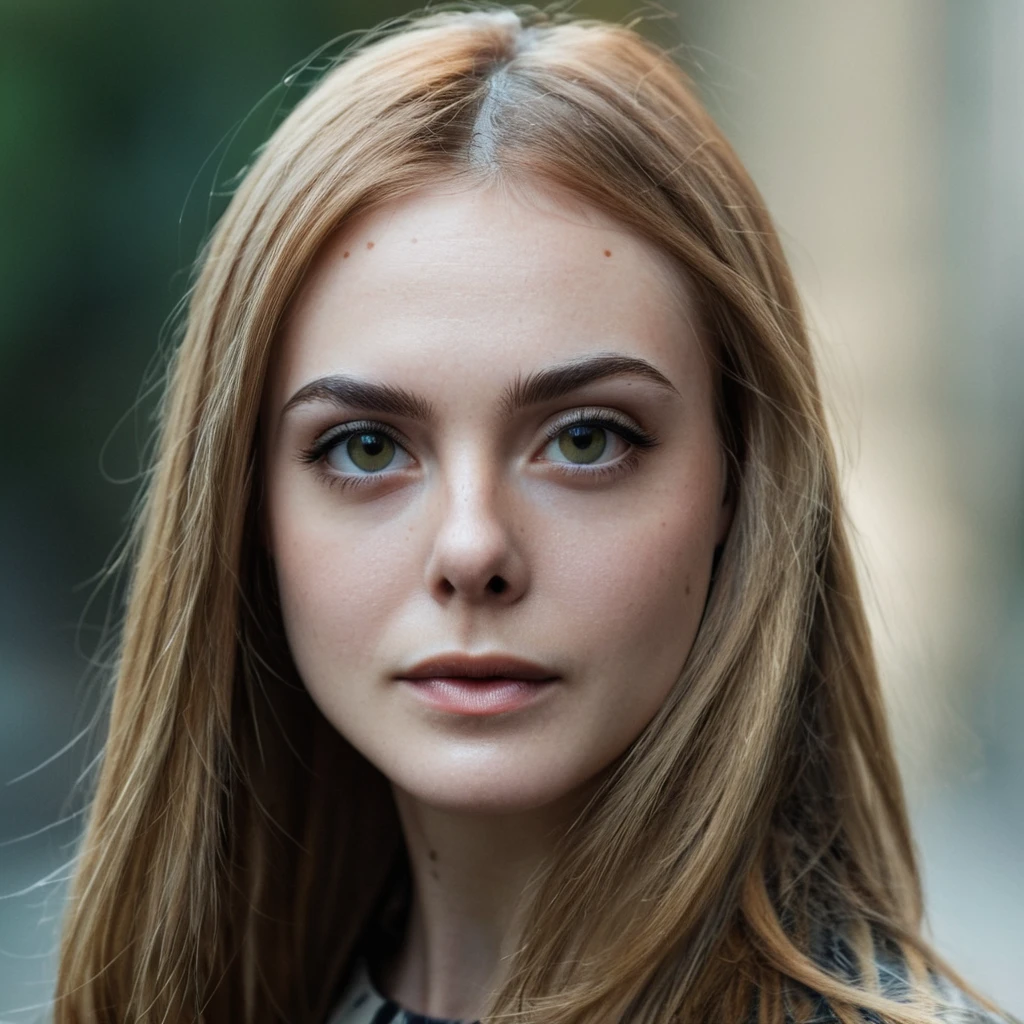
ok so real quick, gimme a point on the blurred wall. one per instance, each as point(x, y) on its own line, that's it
point(886, 136)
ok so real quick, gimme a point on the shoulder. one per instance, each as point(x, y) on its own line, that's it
point(959, 1008)
point(949, 1003)
point(951, 1007)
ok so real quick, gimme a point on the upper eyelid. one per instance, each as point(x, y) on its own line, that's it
point(594, 414)
point(340, 430)
point(597, 414)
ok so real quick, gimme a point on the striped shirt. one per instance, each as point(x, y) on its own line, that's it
point(361, 1003)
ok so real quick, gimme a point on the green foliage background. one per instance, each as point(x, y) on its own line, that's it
point(115, 117)
point(123, 124)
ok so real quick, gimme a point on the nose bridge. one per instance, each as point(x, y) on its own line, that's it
point(470, 519)
point(471, 484)
point(474, 552)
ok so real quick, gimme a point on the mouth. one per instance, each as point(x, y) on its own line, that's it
point(477, 685)
point(480, 668)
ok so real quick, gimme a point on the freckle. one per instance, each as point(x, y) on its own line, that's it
point(687, 587)
point(607, 252)
point(432, 854)
point(414, 241)
point(345, 255)
point(434, 874)
point(369, 245)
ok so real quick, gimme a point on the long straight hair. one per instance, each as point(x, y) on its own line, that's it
point(238, 848)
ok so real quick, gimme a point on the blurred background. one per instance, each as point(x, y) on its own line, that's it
point(888, 139)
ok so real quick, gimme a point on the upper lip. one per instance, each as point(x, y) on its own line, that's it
point(483, 666)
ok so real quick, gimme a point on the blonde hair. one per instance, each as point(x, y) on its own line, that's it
point(238, 848)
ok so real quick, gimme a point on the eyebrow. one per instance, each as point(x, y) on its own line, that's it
point(541, 386)
point(564, 378)
point(342, 390)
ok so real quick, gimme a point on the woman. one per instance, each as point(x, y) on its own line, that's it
point(494, 648)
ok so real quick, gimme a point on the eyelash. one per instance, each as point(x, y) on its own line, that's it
point(639, 440)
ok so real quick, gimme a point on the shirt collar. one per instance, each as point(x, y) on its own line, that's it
point(361, 1003)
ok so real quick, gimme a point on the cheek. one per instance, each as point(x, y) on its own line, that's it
point(636, 581)
point(340, 584)
point(623, 601)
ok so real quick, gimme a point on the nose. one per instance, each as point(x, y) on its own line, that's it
point(475, 556)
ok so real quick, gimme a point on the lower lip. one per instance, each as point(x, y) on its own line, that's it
point(477, 696)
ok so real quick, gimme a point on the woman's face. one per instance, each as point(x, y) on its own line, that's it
point(494, 488)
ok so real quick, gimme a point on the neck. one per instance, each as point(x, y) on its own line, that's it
point(469, 874)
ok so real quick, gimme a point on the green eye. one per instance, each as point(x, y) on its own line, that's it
point(370, 451)
point(582, 443)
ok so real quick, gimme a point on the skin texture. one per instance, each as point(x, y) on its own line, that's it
point(604, 571)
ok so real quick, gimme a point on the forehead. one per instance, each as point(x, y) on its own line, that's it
point(442, 289)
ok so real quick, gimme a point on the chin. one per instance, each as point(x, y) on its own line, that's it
point(488, 789)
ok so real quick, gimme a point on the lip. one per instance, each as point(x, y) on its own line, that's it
point(485, 666)
point(463, 684)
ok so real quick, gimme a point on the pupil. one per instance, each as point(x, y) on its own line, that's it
point(582, 437)
point(372, 444)
point(583, 443)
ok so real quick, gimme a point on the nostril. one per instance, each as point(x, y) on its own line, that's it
point(496, 584)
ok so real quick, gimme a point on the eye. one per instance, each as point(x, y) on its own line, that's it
point(583, 444)
point(368, 451)
point(359, 450)
point(583, 439)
